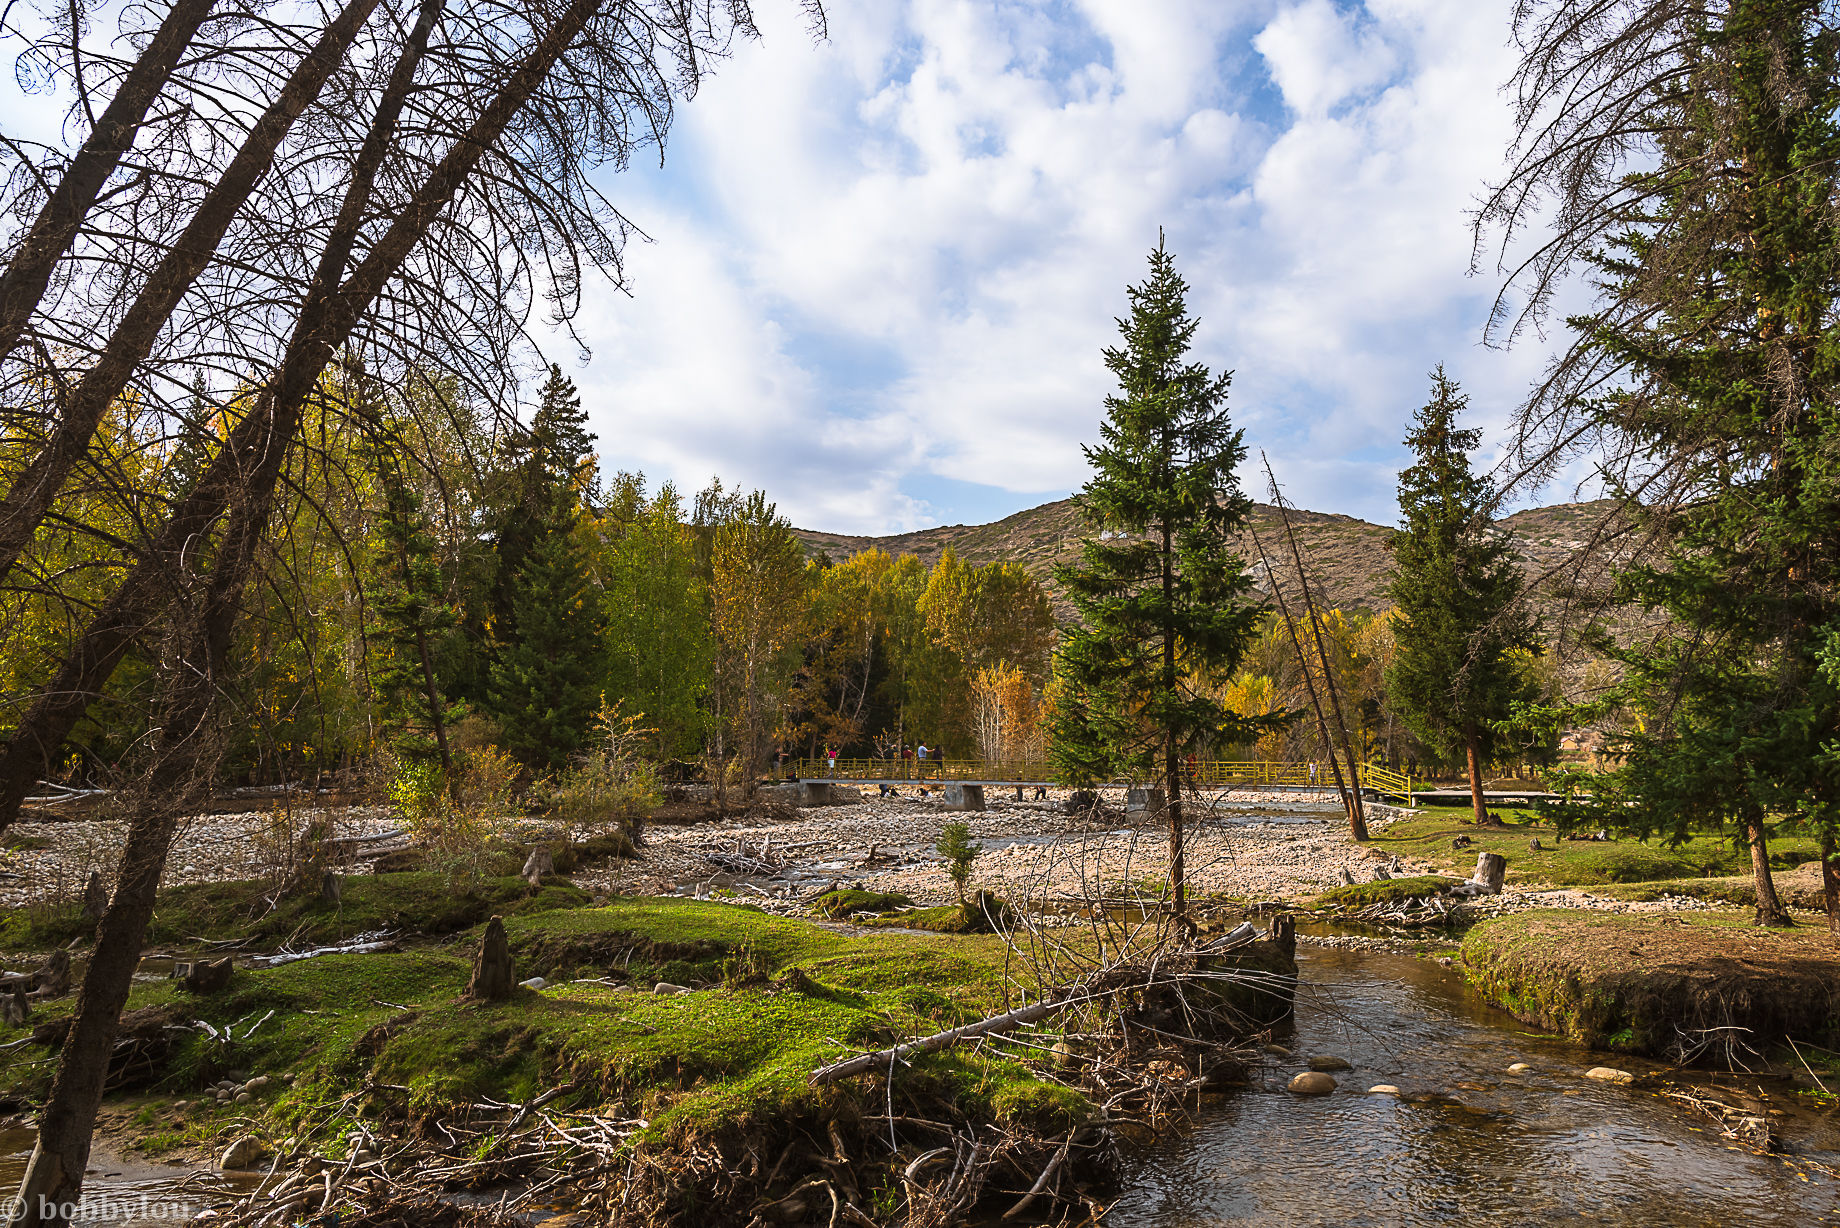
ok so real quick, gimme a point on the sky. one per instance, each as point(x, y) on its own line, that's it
point(881, 269)
point(878, 270)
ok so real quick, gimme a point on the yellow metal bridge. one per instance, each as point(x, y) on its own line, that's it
point(1203, 773)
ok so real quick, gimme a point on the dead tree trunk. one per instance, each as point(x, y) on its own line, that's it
point(1472, 743)
point(1357, 815)
point(55, 228)
point(184, 759)
point(30, 497)
point(1770, 910)
point(1830, 881)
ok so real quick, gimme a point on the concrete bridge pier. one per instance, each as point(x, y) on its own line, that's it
point(963, 797)
point(1149, 800)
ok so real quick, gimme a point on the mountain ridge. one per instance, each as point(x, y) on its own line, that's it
point(1345, 557)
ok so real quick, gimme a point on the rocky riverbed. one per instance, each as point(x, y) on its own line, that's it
point(1247, 846)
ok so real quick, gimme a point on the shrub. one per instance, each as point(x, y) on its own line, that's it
point(956, 847)
point(458, 820)
point(612, 785)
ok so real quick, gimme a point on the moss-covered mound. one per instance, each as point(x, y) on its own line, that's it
point(1654, 984)
point(420, 903)
point(734, 1055)
point(846, 901)
point(983, 913)
point(1386, 891)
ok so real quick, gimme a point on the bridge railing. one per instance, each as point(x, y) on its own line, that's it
point(1203, 773)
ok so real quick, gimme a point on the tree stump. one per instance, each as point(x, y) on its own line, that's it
point(95, 898)
point(208, 976)
point(1491, 871)
point(13, 1006)
point(540, 862)
point(492, 978)
point(332, 887)
point(52, 980)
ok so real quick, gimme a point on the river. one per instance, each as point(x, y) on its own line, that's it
point(1468, 1143)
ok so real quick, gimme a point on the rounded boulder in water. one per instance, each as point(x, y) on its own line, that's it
point(1311, 1083)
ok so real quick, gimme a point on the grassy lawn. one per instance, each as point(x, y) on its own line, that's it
point(772, 999)
point(1583, 863)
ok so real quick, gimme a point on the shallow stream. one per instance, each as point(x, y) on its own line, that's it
point(1468, 1142)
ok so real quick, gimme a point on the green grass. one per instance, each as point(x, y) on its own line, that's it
point(1574, 863)
point(419, 902)
point(724, 1058)
point(1385, 891)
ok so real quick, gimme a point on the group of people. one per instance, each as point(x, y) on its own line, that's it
point(927, 759)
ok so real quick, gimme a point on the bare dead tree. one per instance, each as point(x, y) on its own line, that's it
point(23, 507)
point(55, 228)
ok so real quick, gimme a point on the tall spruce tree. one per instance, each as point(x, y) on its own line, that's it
point(549, 629)
point(1456, 588)
point(1165, 604)
point(1730, 392)
point(546, 682)
point(409, 614)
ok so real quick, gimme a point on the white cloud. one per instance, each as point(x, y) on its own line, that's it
point(904, 248)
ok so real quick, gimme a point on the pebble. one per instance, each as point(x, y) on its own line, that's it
point(1324, 1062)
point(1275, 1050)
point(1519, 1067)
point(244, 1097)
point(1311, 1083)
point(667, 987)
point(535, 982)
point(1383, 1089)
point(1609, 1074)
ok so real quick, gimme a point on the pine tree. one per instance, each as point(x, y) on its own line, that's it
point(1456, 588)
point(410, 613)
point(1164, 600)
point(545, 480)
point(546, 682)
point(1731, 376)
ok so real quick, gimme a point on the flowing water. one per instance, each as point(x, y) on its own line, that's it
point(1468, 1142)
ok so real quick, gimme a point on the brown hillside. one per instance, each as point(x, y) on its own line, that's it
point(1346, 557)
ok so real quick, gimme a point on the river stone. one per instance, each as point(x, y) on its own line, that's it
point(667, 987)
point(1325, 1062)
point(1275, 1050)
point(1065, 1056)
point(1609, 1074)
point(1311, 1083)
point(535, 982)
point(245, 1152)
point(1519, 1068)
point(1383, 1089)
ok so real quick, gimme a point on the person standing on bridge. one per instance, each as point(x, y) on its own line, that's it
point(830, 754)
point(920, 753)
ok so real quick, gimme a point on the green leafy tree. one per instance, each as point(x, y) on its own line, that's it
point(758, 589)
point(1165, 604)
point(659, 647)
point(1455, 676)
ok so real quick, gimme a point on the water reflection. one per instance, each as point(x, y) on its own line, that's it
point(1466, 1139)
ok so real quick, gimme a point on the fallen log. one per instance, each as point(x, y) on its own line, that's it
point(992, 1026)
